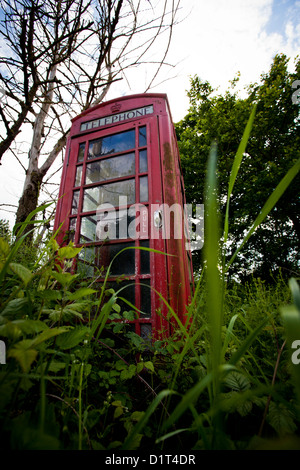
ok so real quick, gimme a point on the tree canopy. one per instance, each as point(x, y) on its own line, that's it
point(273, 148)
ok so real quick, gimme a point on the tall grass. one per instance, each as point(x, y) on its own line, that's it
point(54, 342)
point(210, 424)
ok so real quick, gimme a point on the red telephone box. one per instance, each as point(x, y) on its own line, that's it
point(122, 187)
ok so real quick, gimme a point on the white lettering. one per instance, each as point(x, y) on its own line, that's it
point(296, 94)
point(153, 459)
point(296, 354)
point(2, 352)
point(106, 222)
point(114, 460)
point(115, 118)
point(194, 226)
point(167, 222)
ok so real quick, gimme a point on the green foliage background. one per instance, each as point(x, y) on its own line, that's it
point(273, 147)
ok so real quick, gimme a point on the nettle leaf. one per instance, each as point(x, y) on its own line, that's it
point(24, 273)
point(128, 373)
point(55, 366)
point(236, 401)
point(15, 329)
point(50, 294)
point(24, 354)
point(29, 326)
point(130, 316)
point(120, 365)
point(237, 381)
point(65, 278)
point(118, 412)
point(281, 419)
point(72, 310)
point(116, 308)
point(72, 338)
point(15, 307)
point(82, 292)
point(49, 333)
point(119, 408)
point(135, 339)
point(10, 330)
point(118, 327)
point(25, 351)
point(68, 252)
point(139, 367)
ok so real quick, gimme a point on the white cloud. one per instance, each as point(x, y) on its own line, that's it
point(220, 38)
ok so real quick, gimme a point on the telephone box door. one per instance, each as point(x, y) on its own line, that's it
point(115, 176)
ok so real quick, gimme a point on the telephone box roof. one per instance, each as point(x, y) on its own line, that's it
point(139, 96)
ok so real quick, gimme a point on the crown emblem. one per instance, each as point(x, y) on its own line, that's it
point(115, 107)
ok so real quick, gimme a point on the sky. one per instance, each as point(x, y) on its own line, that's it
point(216, 40)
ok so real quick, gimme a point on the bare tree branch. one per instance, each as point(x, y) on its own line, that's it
point(63, 57)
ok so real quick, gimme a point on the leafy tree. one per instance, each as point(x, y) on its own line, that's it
point(274, 146)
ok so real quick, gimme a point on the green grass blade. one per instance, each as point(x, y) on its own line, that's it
point(247, 343)
point(291, 320)
point(236, 166)
point(212, 261)
point(144, 419)
point(228, 334)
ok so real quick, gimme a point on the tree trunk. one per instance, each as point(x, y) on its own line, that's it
point(29, 200)
point(34, 177)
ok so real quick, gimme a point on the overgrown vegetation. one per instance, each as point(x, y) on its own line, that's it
point(73, 380)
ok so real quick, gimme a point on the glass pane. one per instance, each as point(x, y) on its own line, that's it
point(112, 144)
point(88, 254)
point(88, 229)
point(124, 263)
point(142, 136)
point(144, 189)
point(75, 202)
point(146, 332)
point(81, 152)
point(143, 161)
point(86, 261)
point(114, 225)
point(145, 258)
point(78, 176)
point(72, 229)
point(84, 269)
point(108, 193)
point(146, 299)
point(110, 168)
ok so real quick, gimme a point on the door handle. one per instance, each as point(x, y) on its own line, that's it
point(157, 219)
